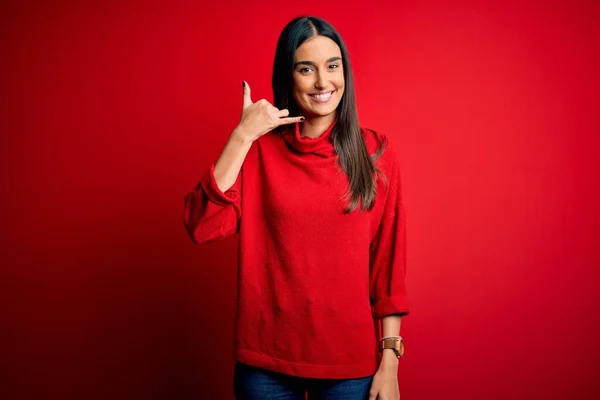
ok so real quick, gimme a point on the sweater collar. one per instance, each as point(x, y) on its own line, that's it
point(322, 145)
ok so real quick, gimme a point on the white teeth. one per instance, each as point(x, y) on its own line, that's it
point(322, 96)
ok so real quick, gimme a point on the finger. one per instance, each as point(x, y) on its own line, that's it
point(247, 100)
point(372, 394)
point(282, 113)
point(292, 120)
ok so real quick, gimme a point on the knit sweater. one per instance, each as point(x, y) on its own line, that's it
point(313, 281)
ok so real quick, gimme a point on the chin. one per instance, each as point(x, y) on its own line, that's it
point(322, 111)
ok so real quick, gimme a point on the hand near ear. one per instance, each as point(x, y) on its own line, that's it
point(261, 117)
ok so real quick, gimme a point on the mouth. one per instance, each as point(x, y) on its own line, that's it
point(322, 97)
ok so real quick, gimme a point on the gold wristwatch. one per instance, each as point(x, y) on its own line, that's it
point(394, 342)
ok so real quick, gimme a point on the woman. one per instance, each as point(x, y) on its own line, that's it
point(317, 203)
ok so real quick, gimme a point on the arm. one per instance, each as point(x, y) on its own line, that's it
point(387, 282)
point(387, 268)
point(213, 209)
point(229, 164)
point(385, 381)
point(390, 327)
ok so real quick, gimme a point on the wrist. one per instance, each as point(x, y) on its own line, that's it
point(240, 137)
point(394, 343)
point(389, 360)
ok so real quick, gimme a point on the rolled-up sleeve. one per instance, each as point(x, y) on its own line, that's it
point(388, 254)
point(210, 214)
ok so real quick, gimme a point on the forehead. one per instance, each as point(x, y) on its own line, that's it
point(317, 48)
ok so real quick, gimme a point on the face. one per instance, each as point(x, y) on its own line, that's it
point(318, 77)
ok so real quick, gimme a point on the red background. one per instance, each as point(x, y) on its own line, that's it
point(110, 112)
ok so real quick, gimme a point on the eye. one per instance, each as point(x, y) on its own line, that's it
point(334, 66)
point(305, 70)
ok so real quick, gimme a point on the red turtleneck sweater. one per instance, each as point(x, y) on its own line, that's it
point(313, 282)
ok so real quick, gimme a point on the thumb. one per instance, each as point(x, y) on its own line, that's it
point(247, 100)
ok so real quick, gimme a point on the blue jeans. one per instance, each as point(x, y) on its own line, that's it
point(252, 383)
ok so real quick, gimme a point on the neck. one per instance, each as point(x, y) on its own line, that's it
point(315, 126)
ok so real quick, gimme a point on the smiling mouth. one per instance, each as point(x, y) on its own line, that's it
point(322, 97)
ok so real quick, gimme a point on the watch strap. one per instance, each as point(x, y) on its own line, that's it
point(392, 342)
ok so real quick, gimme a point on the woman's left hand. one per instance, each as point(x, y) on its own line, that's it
point(385, 381)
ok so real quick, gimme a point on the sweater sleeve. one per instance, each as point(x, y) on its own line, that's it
point(388, 254)
point(210, 214)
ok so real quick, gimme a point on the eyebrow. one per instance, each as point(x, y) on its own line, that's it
point(312, 64)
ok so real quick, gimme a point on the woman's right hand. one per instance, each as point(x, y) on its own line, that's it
point(261, 117)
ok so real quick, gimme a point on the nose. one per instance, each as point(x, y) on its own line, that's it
point(320, 82)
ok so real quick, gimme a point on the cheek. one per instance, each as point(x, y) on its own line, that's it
point(298, 96)
point(340, 87)
point(299, 89)
point(339, 81)
point(297, 92)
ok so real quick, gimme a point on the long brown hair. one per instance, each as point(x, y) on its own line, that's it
point(346, 135)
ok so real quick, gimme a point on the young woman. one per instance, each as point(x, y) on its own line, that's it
point(316, 200)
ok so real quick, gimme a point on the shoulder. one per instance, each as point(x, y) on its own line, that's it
point(374, 139)
point(377, 141)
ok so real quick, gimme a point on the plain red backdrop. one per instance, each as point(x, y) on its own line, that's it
point(110, 112)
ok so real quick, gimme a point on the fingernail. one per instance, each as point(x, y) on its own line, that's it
point(302, 119)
